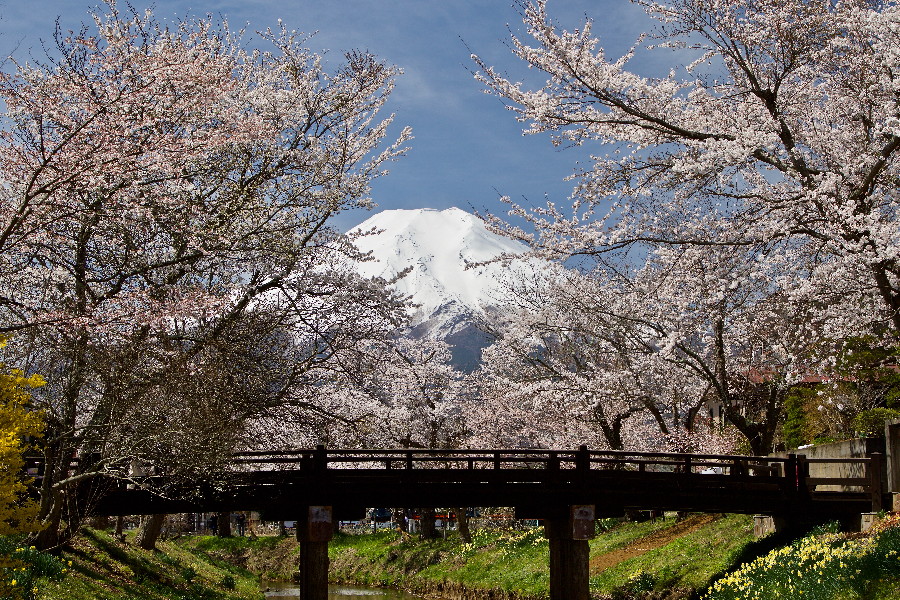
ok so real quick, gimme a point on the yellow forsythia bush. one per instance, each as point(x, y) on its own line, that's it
point(17, 423)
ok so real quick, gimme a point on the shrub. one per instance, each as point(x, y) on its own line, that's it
point(870, 423)
point(18, 422)
point(637, 586)
point(795, 420)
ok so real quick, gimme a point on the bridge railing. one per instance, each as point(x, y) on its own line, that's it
point(792, 472)
point(863, 475)
point(501, 459)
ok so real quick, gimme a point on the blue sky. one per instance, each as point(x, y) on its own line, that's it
point(468, 150)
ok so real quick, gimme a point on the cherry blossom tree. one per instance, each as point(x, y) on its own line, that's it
point(162, 186)
point(404, 394)
point(723, 316)
point(424, 395)
point(755, 183)
point(576, 366)
point(781, 131)
point(422, 398)
point(635, 359)
point(560, 367)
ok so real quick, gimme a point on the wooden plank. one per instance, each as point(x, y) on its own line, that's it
point(855, 481)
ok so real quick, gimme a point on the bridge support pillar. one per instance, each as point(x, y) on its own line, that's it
point(314, 531)
point(569, 553)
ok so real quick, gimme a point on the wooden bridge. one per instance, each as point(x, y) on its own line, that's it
point(538, 483)
point(568, 489)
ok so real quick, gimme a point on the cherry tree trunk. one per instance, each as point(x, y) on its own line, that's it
point(224, 522)
point(120, 525)
point(428, 530)
point(462, 525)
point(398, 515)
point(149, 531)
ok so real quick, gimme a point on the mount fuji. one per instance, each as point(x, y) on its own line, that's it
point(449, 297)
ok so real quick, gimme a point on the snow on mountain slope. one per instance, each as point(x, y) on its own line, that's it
point(438, 245)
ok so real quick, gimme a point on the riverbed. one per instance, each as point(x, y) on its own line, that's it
point(287, 591)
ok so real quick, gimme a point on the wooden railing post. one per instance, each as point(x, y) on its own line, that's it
point(583, 459)
point(802, 476)
point(553, 461)
point(874, 476)
point(790, 473)
point(409, 460)
point(320, 458)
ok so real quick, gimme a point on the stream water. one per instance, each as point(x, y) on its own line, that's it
point(286, 591)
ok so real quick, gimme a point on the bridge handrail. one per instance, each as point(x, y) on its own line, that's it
point(490, 453)
point(792, 471)
point(513, 458)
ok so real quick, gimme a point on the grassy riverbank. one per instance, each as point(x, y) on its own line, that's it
point(660, 559)
point(659, 554)
point(101, 568)
point(663, 554)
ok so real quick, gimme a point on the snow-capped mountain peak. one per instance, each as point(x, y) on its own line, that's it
point(439, 245)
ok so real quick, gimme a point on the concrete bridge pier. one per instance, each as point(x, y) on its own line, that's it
point(569, 553)
point(314, 531)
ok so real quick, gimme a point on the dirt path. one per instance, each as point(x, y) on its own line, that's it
point(653, 541)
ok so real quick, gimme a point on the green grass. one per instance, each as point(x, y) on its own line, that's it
point(517, 561)
point(270, 557)
point(621, 535)
point(687, 562)
point(508, 561)
point(102, 568)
